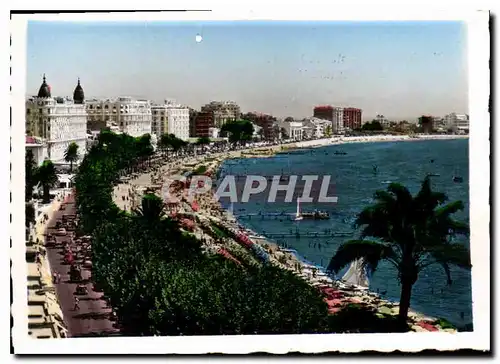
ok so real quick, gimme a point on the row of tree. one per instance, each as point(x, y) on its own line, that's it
point(156, 276)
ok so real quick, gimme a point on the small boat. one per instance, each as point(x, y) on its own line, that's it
point(433, 175)
point(456, 177)
point(316, 215)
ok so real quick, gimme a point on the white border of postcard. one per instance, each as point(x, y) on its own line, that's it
point(478, 50)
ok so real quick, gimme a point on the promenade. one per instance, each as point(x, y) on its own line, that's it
point(93, 316)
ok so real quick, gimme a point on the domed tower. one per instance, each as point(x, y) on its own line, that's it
point(44, 89)
point(78, 95)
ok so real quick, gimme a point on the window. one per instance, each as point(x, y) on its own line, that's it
point(161, 118)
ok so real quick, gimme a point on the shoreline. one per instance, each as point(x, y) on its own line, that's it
point(290, 259)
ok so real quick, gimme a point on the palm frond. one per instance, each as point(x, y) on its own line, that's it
point(403, 196)
point(370, 251)
point(449, 253)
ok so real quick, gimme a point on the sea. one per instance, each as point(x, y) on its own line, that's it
point(356, 175)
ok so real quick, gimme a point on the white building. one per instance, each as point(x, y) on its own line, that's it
point(59, 121)
point(294, 129)
point(132, 116)
point(318, 127)
point(170, 118)
point(338, 120)
point(38, 147)
point(459, 121)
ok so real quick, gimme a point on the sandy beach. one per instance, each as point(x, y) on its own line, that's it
point(127, 195)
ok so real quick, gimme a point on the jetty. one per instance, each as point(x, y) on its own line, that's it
point(308, 234)
point(315, 215)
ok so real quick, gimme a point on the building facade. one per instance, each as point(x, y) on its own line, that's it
point(458, 121)
point(170, 118)
point(59, 121)
point(338, 121)
point(38, 147)
point(178, 121)
point(159, 123)
point(318, 128)
point(352, 118)
point(223, 111)
point(324, 112)
point(203, 123)
point(333, 114)
point(132, 116)
point(264, 121)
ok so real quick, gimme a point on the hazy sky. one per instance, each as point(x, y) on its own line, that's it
point(399, 69)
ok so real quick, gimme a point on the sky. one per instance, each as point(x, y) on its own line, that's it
point(399, 69)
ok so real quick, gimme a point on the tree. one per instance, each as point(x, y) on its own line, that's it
point(239, 131)
point(374, 125)
point(152, 208)
point(47, 177)
point(203, 141)
point(426, 123)
point(30, 171)
point(71, 154)
point(328, 131)
point(411, 233)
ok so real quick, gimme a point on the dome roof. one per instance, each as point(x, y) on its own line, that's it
point(44, 89)
point(78, 95)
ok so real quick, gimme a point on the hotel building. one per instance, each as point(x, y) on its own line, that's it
point(58, 121)
point(132, 116)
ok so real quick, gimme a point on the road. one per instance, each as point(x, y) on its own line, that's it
point(92, 318)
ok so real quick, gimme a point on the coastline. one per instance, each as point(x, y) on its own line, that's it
point(211, 210)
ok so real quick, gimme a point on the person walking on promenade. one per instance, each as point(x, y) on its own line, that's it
point(54, 277)
point(58, 277)
point(77, 304)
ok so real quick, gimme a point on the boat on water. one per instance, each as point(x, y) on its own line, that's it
point(315, 215)
point(357, 275)
point(456, 177)
point(433, 175)
point(339, 153)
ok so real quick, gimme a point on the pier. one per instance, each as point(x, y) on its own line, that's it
point(266, 216)
point(308, 234)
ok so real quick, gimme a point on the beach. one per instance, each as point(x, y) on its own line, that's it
point(127, 195)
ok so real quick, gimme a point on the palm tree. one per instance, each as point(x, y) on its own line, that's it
point(152, 208)
point(411, 233)
point(71, 155)
point(47, 177)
